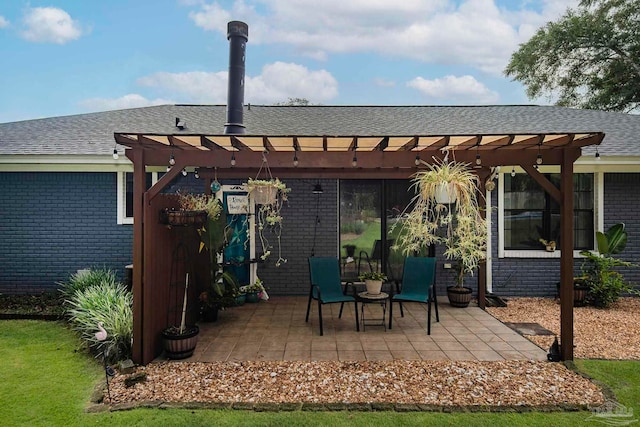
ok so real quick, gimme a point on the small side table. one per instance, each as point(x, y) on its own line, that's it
point(367, 298)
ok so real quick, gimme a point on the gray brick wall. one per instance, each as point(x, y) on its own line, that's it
point(52, 224)
point(299, 215)
point(538, 277)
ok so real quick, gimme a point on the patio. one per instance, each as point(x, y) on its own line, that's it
point(276, 331)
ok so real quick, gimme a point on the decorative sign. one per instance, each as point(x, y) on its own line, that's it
point(238, 204)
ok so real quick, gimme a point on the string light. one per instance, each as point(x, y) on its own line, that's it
point(196, 174)
point(172, 160)
point(184, 172)
point(233, 159)
point(354, 161)
point(295, 159)
point(417, 159)
point(597, 154)
point(478, 160)
point(539, 157)
point(115, 153)
point(513, 171)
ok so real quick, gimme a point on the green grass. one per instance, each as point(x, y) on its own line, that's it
point(44, 381)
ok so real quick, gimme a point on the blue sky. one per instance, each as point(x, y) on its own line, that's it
point(62, 57)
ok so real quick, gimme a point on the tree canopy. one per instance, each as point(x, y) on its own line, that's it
point(589, 58)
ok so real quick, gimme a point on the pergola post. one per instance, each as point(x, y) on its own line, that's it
point(566, 257)
point(139, 180)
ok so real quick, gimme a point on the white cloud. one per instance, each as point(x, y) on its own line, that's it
point(3, 22)
point(280, 81)
point(464, 89)
point(471, 32)
point(277, 83)
point(50, 25)
point(131, 100)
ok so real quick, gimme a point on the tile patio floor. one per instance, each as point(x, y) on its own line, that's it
point(276, 330)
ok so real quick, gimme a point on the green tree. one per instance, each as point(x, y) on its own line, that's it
point(589, 58)
point(294, 101)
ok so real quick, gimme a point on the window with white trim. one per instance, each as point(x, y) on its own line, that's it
point(125, 194)
point(530, 214)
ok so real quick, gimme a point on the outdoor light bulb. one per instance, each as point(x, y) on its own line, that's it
point(539, 159)
point(172, 160)
point(478, 160)
point(115, 154)
point(233, 159)
point(417, 159)
point(295, 160)
point(168, 168)
point(597, 155)
point(184, 172)
point(354, 162)
point(535, 167)
point(513, 171)
point(196, 174)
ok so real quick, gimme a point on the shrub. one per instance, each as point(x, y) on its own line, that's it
point(110, 304)
point(84, 279)
point(605, 284)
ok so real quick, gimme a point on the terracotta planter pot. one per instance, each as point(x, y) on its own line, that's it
point(373, 286)
point(180, 346)
point(459, 296)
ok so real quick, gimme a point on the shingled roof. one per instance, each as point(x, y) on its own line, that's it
point(93, 134)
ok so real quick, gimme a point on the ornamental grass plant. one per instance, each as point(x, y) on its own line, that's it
point(107, 303)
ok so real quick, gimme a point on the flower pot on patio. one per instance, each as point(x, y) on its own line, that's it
point(459, 296)
point(373, 286)
point(240, 299)
point(180, 345)
point(253, 297)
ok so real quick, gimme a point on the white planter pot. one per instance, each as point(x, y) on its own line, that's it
point(373, 286)
point(264, 195)
point(446, 193)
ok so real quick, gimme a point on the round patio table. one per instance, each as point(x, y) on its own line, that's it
point(366, 298)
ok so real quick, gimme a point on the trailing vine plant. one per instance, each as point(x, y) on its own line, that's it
point(458, 225)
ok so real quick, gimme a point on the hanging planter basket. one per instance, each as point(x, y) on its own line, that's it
point(265, 194)
point(183, 217)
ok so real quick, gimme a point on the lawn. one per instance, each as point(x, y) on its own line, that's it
point(47, 381)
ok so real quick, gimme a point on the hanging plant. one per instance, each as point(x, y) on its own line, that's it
point(270, 195)
point(445, 211)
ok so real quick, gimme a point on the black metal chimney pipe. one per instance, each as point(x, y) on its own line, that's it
point(238, 36)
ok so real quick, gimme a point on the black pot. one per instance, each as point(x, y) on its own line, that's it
point(209, 314)
point(180, 346)
point(459, 296)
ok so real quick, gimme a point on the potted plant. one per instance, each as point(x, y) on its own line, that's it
point(193, 210)
point(373, 281)
point(455, 222)
point(253, 291)
point(270, 196)
point(179, 341)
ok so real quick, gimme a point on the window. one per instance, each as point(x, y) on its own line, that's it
point(530, 214)
point(125, 195)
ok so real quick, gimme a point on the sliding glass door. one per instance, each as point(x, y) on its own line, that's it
point(368, 210)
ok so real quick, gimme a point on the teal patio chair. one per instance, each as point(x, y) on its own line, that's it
point(418, 285)
point(326, 287)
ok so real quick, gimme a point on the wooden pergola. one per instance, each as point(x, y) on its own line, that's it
point(324, 156)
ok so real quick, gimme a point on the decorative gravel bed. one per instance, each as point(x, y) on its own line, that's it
point(418, 385)
point(424, 384)
point(598, 334)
